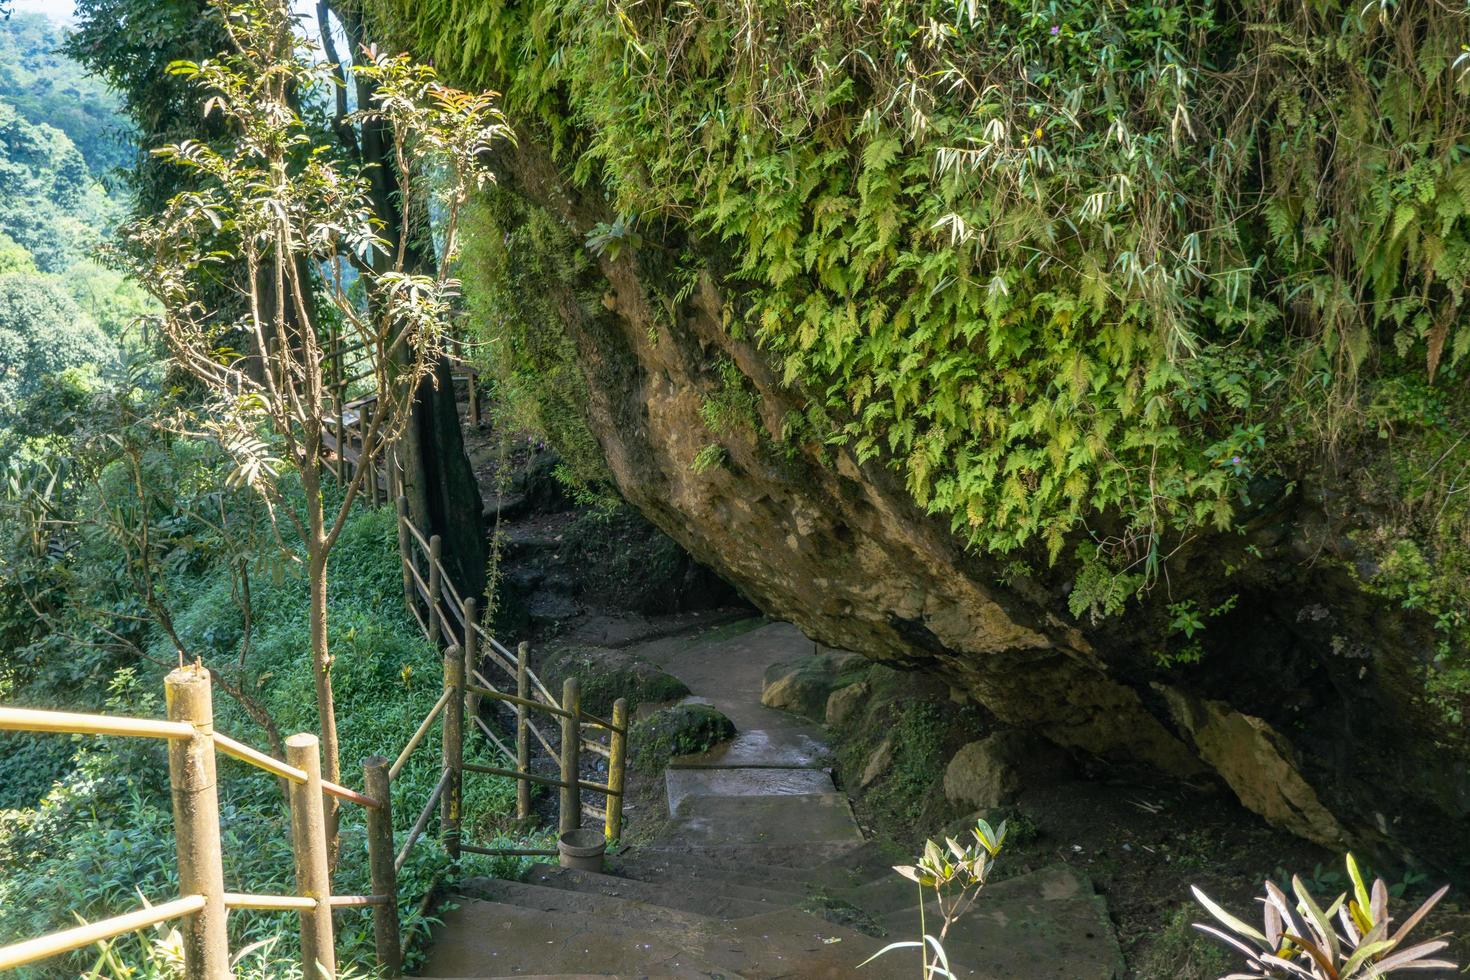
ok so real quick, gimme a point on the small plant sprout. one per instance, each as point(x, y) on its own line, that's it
point(1300, 940)
point(956, 873)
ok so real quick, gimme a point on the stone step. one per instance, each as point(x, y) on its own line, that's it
point(716, 898)
point(492, 939)
point(594, 904)
point(811, 818)
point(686, 784)
point(840, 864)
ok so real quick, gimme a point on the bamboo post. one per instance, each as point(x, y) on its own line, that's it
point(449, 803)
point(571, 748)
point(436, 586)
point(616, 769)
point(471, 612)
point(474, 398)
point(405, 556)
point(523, 740)
point(386, 939)
point(309, 846)
point(196, 823)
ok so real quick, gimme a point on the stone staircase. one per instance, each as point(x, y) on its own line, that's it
point(760, 872)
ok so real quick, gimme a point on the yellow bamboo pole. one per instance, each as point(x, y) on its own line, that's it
point(386, 938)
point(616, 770)
point(42, 947)
point(192, 780)
point(523, 722)
point(67, 722)
point(453, 756)
point(571, 743)
point(436, 621)
point(309, 845)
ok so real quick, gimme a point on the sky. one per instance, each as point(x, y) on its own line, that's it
point(62, 9)
point(55, 9)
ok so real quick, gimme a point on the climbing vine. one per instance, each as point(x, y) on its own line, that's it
point(1056, 263)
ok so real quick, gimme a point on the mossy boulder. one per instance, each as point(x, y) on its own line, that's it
point(606, 675)
point(683, 729)
point(804, 685)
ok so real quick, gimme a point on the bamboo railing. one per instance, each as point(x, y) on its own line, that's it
point(193, 746)
point(443, 615)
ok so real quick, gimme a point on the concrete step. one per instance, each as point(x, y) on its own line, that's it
point(716, 898)
point(688, 784)
point(492, 939)
point(593, 904)
point(810, 818)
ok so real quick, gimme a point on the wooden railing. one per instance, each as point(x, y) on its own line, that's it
point(203, 905)
point(445, 616)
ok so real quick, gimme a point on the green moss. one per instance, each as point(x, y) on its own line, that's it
point(683, 729)
point(519, 264)
point(605, 675)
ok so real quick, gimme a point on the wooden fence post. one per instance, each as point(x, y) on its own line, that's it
point(474, 398)
point(386, 939)
point(436, 586)
point(309, 845)
point(523, 741)
point(571, 750)
point(196, 823)
point(405, 556)
point(449, 803)
point(617, 765)
point(471, 613)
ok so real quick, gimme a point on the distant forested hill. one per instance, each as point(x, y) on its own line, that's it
point(46, 87)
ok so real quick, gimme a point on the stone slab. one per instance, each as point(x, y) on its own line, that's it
point(686, 783)
point(816, 818)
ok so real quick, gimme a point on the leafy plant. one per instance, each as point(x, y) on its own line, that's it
point(1300, 940)
point(956, 874)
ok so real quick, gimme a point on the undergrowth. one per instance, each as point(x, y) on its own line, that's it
point(102, 834)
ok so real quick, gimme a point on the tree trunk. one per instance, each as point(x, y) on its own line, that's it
point(321, 659)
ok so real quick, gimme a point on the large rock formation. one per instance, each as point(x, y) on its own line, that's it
point(688, 178)
point(1307, 706)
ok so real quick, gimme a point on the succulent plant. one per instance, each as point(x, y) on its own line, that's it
point(1301, 940)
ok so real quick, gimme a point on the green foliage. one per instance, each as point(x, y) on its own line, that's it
point(1054, 264)
point(523, 264)
point(42, 333)
point(1300, 938)
point(1179, 952)
point(105, 827)
point(49, 201)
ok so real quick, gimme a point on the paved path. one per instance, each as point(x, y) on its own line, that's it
point(761, 872)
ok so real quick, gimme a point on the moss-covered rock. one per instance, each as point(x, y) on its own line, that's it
point(605, 675)
point(683, 729)
point(803, 685)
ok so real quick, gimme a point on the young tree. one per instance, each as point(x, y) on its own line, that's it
point(277, 200)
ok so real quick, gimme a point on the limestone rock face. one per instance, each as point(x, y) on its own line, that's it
point(993, 770)
point(815, 536)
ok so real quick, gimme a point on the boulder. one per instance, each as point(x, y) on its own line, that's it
point(683, 729)
point(878, 763)
point(1258, 764)
point(844, 702)
point(993, 771)
point(803, 685)
point(606, 674)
